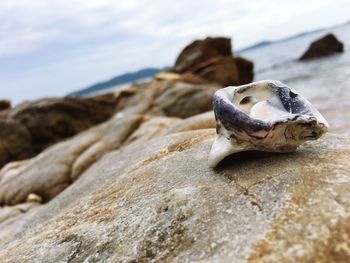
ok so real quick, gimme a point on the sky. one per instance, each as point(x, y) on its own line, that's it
point(53, 47)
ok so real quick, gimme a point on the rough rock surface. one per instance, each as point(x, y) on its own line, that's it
point(14, 217)
point(324, 46)
point(160, 202)
point(212, 60)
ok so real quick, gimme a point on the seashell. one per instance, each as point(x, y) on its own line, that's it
point(264, 116)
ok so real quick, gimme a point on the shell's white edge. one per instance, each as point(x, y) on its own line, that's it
point(221, 148)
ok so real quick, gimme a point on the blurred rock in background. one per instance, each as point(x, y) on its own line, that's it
point(212, 60)
point(322, 47)
point(30, 127)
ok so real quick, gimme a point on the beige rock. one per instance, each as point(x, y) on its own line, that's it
point(167, 76)
point(185, 77)
point(70, 158)
point(12, 169)
point(201, 121)
point(159, 201)
point(152, 127)
point(111, 135)
point(34, 198)
point(54, 169)
point(169, 98)
point(184, 100)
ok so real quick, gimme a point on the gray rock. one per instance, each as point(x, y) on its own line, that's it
point(325, 46)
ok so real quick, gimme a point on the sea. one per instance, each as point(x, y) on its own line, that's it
point(325, 82)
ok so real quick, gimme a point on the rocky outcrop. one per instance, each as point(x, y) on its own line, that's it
point(322, 47)
point(71, 157)
point(212, 60)
point(53, 170)
point(5, 104)
point(245, 70)
point(220, 70)
point(161, 202)
point(15, 142)
point(53, 119)
point(30, 127)
point(200, 51)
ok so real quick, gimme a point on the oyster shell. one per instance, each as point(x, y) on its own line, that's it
point(264, 116)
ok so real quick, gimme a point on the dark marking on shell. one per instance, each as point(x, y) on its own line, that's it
point(292, 104)
point(234, 119)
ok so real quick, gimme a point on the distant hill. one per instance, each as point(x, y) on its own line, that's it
point(270, 42)
point(257, 45)
point(119, 80)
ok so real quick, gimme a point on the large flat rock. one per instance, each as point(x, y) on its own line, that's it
point(158, 201)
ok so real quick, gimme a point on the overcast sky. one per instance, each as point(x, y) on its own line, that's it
point(52, 47)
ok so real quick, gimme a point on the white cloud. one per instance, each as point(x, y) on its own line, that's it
point(59, 45)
